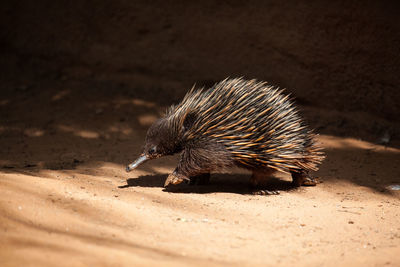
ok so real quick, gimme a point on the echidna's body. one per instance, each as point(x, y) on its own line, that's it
point(236, 122)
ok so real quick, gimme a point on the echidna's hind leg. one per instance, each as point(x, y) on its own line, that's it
point(201, 179)
point(302, 178)
point(258, 179)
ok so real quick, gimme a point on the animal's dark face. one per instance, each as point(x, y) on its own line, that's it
point(161, 140)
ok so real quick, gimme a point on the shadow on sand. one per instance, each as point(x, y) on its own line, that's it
point(228, 183)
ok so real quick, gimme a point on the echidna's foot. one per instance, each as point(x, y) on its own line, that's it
point(303, 179)
point(175, 178)
point(260, 178)
point(308, 181)
point(265, 192)
point(201, 179)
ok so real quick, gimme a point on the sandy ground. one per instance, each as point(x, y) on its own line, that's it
point(67, 201)
point(80, 83)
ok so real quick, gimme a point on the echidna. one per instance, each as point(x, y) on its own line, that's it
point(236, 122)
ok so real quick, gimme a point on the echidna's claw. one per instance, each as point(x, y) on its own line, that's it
point(308, 181)
point(174, 178)
point(266, 192)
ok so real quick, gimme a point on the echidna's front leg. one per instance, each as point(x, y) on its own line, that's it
point(176, 177)
point(197, 161)
point(188, 170)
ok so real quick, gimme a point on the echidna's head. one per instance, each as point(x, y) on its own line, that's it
point(161, 140)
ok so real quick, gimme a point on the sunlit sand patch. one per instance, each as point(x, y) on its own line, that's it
point(87, 134)
point(147, 120)
point(328, 141)
point(110, 165)
point(137, 102)
point(107, 168)
point(82, 133)
point(120, 129)
point(33, 132)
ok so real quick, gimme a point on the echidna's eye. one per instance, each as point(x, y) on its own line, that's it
point(153, 150)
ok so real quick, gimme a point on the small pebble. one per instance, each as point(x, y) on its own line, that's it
point(394, 187)
point(184, 219)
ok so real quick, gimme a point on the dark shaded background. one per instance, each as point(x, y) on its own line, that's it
point(340, 59)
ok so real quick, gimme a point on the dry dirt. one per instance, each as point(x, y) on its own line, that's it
point(81, 81)
point(67, 201)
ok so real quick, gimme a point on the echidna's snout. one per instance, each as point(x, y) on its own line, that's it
point(137, 162)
